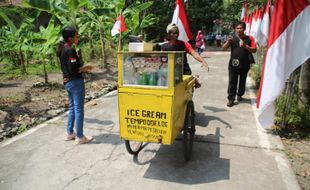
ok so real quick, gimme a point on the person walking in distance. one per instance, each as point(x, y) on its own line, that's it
point(218, 39)
point(242, 47)
point(72, 70)
point(199, 42)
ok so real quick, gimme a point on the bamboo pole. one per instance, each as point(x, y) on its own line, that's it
point(120, 42)
point(120, 37)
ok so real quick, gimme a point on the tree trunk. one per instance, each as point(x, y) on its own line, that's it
point(81, 56)
point(304, 83)
point(22, 62)
point(103, 53)
point(92, 51)
point(291, 90)
point(45, 72)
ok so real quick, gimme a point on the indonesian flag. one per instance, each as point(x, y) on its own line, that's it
point(265, 25)
point(244, 10)
point(258, 32)
point(288, 48)
point(249, 24)
point(179, 18)
point(119, 26)
point(253, 29)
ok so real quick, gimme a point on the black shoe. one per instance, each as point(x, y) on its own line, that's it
point(230, 103)
point(239, 98)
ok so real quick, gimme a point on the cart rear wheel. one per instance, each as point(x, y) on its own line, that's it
point(133, 147)
point(189, 130)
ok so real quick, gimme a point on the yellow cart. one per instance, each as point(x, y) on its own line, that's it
point(155, 100)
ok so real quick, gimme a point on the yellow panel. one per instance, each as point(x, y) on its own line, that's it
point(182, 94)
point(145, 118)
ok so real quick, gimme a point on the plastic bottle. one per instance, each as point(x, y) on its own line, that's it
point(162, 77)
point(152, 79)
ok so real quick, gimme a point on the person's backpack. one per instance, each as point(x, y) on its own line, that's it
point(251, 58)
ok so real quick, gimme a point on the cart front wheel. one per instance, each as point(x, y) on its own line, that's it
point(133, 147)
point(189, 130)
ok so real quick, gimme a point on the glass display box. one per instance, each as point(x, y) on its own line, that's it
point(150, 69)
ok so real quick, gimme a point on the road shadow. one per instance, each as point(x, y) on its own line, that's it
point(99, 125)
point(203, 120)
point(214, 109)
point(113, 139)
point(205, 166)
point(246, 101)
point(99, 122)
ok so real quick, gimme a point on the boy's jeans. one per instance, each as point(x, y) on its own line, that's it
point(76, 93)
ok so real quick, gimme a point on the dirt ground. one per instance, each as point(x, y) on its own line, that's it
point(298, 152)
point(29, 101)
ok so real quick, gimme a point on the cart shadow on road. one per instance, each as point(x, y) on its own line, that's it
point(203, 120)
point(108, 135)
point(205, 166)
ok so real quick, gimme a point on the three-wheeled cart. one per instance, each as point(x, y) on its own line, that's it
point(155, 100)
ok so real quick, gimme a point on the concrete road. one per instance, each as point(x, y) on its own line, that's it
point(230, 150)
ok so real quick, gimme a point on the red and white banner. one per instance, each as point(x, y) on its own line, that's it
point(244, 11)
point(288, 48)
point(180, 19)
point(249, 24)
point(119, 26)
point(254, 25)
point(265, 24)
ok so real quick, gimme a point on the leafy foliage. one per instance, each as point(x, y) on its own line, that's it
point(297, 119)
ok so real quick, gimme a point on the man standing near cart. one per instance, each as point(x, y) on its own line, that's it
point(173, 44)
point(242, 47)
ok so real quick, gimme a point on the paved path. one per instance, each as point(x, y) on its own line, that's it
point(230, 150)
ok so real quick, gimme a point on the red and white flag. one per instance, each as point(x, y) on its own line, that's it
point(288, 48)
point(253, 29)
point(180, 19)
point(119, 26)
point(259, 34)
point(244, 11)
point(265, 25)
point(249, 24)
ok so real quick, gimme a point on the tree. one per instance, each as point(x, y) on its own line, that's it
point(46, 41)
point(304, 83)
point(16, 42)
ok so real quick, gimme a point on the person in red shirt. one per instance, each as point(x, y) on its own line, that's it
point(173, 44)
point(242, 47)
point(199, 42)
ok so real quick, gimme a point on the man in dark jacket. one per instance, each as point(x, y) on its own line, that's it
point(242, 47)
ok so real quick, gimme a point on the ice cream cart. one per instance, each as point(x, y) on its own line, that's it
point(155, 100)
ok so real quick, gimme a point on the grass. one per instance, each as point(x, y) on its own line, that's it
point(9, 71)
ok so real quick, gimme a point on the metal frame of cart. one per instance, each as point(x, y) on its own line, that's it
point(155, 100)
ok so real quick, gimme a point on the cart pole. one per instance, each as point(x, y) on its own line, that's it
point(120, 42)
point(120, 38)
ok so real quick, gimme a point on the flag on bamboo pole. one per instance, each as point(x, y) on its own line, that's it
point(287, 49)
point(248, 24)
point(265, 24)
point(254, 23)
point(258, 29)
point(180, 19)
point(119, 26)
point(244, 11)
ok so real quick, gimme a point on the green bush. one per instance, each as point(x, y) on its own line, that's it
point(297, 119)
point(256, 74)
point(11, 71)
